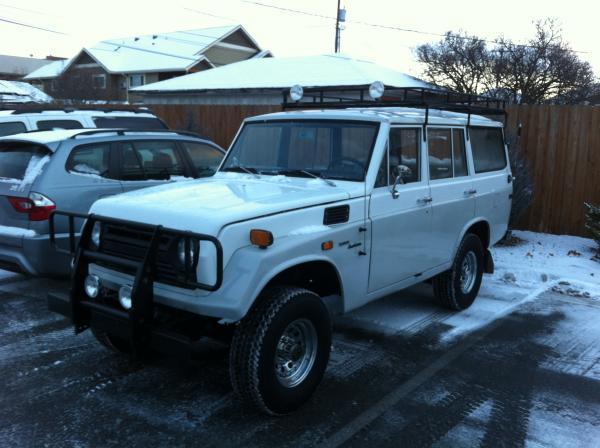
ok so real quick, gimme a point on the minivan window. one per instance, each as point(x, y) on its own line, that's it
point(205, 158)
point(17, 158)
point(90, 160)
point(150, 160)
point(48, 125)
point(487, 146)
point(131, 123)
point(12, 127)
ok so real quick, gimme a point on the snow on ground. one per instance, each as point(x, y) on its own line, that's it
point(536, 262)
point(16, 231)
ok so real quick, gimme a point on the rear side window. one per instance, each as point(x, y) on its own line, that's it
point(48, 125)
point(447, 155)
point(132, 123)
point(205, 158)
point(90, 160)
point(487, 146)
point(150, 160)
point(10, 128)
point(21, 161)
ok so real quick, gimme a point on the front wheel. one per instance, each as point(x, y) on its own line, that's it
point(458, 287)
point(280, 350)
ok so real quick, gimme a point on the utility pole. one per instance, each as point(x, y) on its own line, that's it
point(340, 18)
point(337, 28)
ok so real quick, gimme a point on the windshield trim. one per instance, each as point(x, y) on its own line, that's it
point(375, 123)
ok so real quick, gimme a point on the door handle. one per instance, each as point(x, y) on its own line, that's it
point(425, 200)
point(470, 192)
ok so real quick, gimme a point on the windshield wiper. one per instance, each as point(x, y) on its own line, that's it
point(239, 168)
point(309, 174)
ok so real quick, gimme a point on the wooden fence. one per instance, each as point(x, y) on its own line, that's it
point(562, 143)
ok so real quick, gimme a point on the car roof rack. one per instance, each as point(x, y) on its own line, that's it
point(409, 97)
point(38, 109)
point(120, 131)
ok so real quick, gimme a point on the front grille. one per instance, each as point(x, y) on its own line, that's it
point(127, 241)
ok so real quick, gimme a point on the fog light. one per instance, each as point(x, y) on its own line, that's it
point(92, 286)
point(125, 296)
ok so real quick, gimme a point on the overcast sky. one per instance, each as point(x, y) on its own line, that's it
point(286, 33)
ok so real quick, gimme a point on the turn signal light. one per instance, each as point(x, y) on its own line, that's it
point(261, 238)
point(327, 245)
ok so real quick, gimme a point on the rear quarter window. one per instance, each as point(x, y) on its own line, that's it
point(132, 123)
point(48, 125)
point(21, 162)
point(487, 146)
point(90, 160)
point(13, 127)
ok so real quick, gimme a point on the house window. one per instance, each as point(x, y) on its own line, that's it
point(136, 80)
point(99, 81)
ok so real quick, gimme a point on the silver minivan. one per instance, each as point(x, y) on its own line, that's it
point(70, 170)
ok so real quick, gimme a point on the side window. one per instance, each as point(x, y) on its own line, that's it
point(90, 160)
point(137, 123)
point(10, 128)
point(487, 146)
point(439, 143)
point(150, 160)
point(460, 155)
point(402, 156)
point(204, 157)
point(48, 125)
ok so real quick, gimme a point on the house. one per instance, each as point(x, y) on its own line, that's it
point(261, 81)
point(13, 92)
point(107, 70)
point(16, 67)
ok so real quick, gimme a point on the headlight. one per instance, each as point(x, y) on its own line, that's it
point(96, 231)
point(192, 251)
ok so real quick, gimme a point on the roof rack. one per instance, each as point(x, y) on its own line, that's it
point(34, 110)
point(119, 131)
point(410, 97)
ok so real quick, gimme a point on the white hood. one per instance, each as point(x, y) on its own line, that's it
point(207, 205)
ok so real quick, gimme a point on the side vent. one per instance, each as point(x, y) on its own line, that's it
point(336, 215)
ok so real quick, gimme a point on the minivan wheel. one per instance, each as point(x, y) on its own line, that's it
point(280, 350)
point(458, 287)
point(112, 343)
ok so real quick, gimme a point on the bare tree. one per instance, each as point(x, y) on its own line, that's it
point(543, 69)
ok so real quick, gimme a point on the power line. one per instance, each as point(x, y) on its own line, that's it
point(387, 27)
point(208, 14)
point(20, 9)
point(13, 22)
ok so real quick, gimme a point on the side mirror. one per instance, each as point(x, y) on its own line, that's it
point(403, 172)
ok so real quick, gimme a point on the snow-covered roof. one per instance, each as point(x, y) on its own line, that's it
point(270, 73)
point(176, 51)
point(51, 70)
point(20, 66)
point(403, 115)
point(21, 92)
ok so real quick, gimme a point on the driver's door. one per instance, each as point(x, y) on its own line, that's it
point(401, 223)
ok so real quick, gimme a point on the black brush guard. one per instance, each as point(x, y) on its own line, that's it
point(137, 324)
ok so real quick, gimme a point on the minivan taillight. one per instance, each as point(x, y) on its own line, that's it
point(36, 205)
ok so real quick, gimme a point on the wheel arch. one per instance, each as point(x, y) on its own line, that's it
point(481, 228)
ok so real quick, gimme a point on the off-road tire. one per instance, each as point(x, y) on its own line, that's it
point(447, 285)
point(112, 343)
point(254, 344)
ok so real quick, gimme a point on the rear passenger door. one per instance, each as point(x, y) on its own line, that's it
point(492, 179)
point(452, 192)
point(146, 163)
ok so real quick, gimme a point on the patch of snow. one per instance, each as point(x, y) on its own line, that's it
point(308, 230)
point(8, 180)
point(22, 92)
point(279, 178)
point(180, 178)
point(16, 231)
point(34, 169)
point(86, 169)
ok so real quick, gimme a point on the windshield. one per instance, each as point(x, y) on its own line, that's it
point(329, 149)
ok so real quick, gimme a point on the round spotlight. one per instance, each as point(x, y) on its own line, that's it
point(92, 286)
point(296, 92)
point(376, 90)
point(125, 296)
point(96, 231)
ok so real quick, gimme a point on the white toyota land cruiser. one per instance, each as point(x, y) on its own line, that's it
point(312, 213)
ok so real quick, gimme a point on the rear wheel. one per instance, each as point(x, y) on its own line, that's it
point(112, 342)
point(280, 350)
point(458, 287)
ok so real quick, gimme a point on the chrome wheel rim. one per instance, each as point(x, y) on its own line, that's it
point(296, 352)
point(468, 272)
